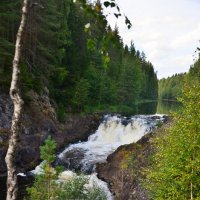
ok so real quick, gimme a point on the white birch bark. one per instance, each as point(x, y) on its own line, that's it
point(18, 104)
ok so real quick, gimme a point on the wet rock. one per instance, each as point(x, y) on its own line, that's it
point(6, 111)
point(71, 159)
point(2, 161)
point(37, 122)
point(123, 170)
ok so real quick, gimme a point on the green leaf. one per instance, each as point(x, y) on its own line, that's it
point(91, 44)
point(128, 22)
point(116, 15)
point(106, 4)
point(112, 4)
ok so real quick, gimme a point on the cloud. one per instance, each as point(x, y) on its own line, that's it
point(187, 38)
point(167, 31)
point(181, 60)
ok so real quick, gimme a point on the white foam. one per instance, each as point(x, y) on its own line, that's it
point(95, 181)
point(66, 175)
point(21, 174)
point(38, 170)
point(112, 133)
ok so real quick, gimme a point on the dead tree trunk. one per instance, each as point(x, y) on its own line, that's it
point(18, 104)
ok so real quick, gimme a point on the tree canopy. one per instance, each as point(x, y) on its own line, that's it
point(175, 166)
point(75, 55)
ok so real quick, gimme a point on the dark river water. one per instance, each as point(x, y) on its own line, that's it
point(159, 107)
point(23, 182)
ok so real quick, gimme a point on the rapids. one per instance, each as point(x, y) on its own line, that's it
point(113, 132)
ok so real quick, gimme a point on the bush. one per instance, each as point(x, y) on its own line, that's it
point(175, 170)
point(47, 186)
point(77, 188)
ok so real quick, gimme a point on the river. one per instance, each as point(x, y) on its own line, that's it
point(114, 131)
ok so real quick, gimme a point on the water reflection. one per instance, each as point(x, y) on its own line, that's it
point(159, 107)
point(167, 107)
point(151, 107)
point(147, 108)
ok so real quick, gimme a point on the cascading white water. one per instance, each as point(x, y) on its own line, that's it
point(113, 132)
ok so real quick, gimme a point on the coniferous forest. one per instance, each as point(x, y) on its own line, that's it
point(69, 76)
point(79, 66)
point(171, 88)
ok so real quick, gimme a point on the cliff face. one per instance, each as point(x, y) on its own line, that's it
point(39, 121)
point(124, 168)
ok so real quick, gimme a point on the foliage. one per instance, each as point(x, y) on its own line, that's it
point(76, 55)
point(194, 72)
point(46, 185)
point(81, 94)
point(47, 151)
point(171, 88)
point(175, 170)
point(61, 115)
point(130, 82)
point(76, 189)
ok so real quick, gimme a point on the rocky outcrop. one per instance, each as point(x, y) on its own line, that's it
point(6, 110)
point(123, 170)
point(38, 121)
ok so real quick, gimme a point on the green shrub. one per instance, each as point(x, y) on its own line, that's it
point(47, 186)
point(174, 172)
point(76, 188)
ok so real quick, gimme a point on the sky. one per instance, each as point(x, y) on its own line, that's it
point(168, 31)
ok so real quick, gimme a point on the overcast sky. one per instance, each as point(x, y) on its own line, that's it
point(168, 31)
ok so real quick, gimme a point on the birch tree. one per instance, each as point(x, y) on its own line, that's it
point(15, 93)
point(17, 100)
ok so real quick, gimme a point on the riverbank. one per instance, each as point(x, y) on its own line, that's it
point(123, 170)
point(38, 121)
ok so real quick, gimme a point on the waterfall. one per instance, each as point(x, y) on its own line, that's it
point(113, 132)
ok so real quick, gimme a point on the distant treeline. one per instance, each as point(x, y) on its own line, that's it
point(79, 66)
point(194, 72)
point(171, 88)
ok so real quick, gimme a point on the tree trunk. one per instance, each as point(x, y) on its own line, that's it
point(18, 104)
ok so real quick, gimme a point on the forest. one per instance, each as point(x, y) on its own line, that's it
point(170, 88)
point(65, 77)
point(83, 68)
point(174, 169)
